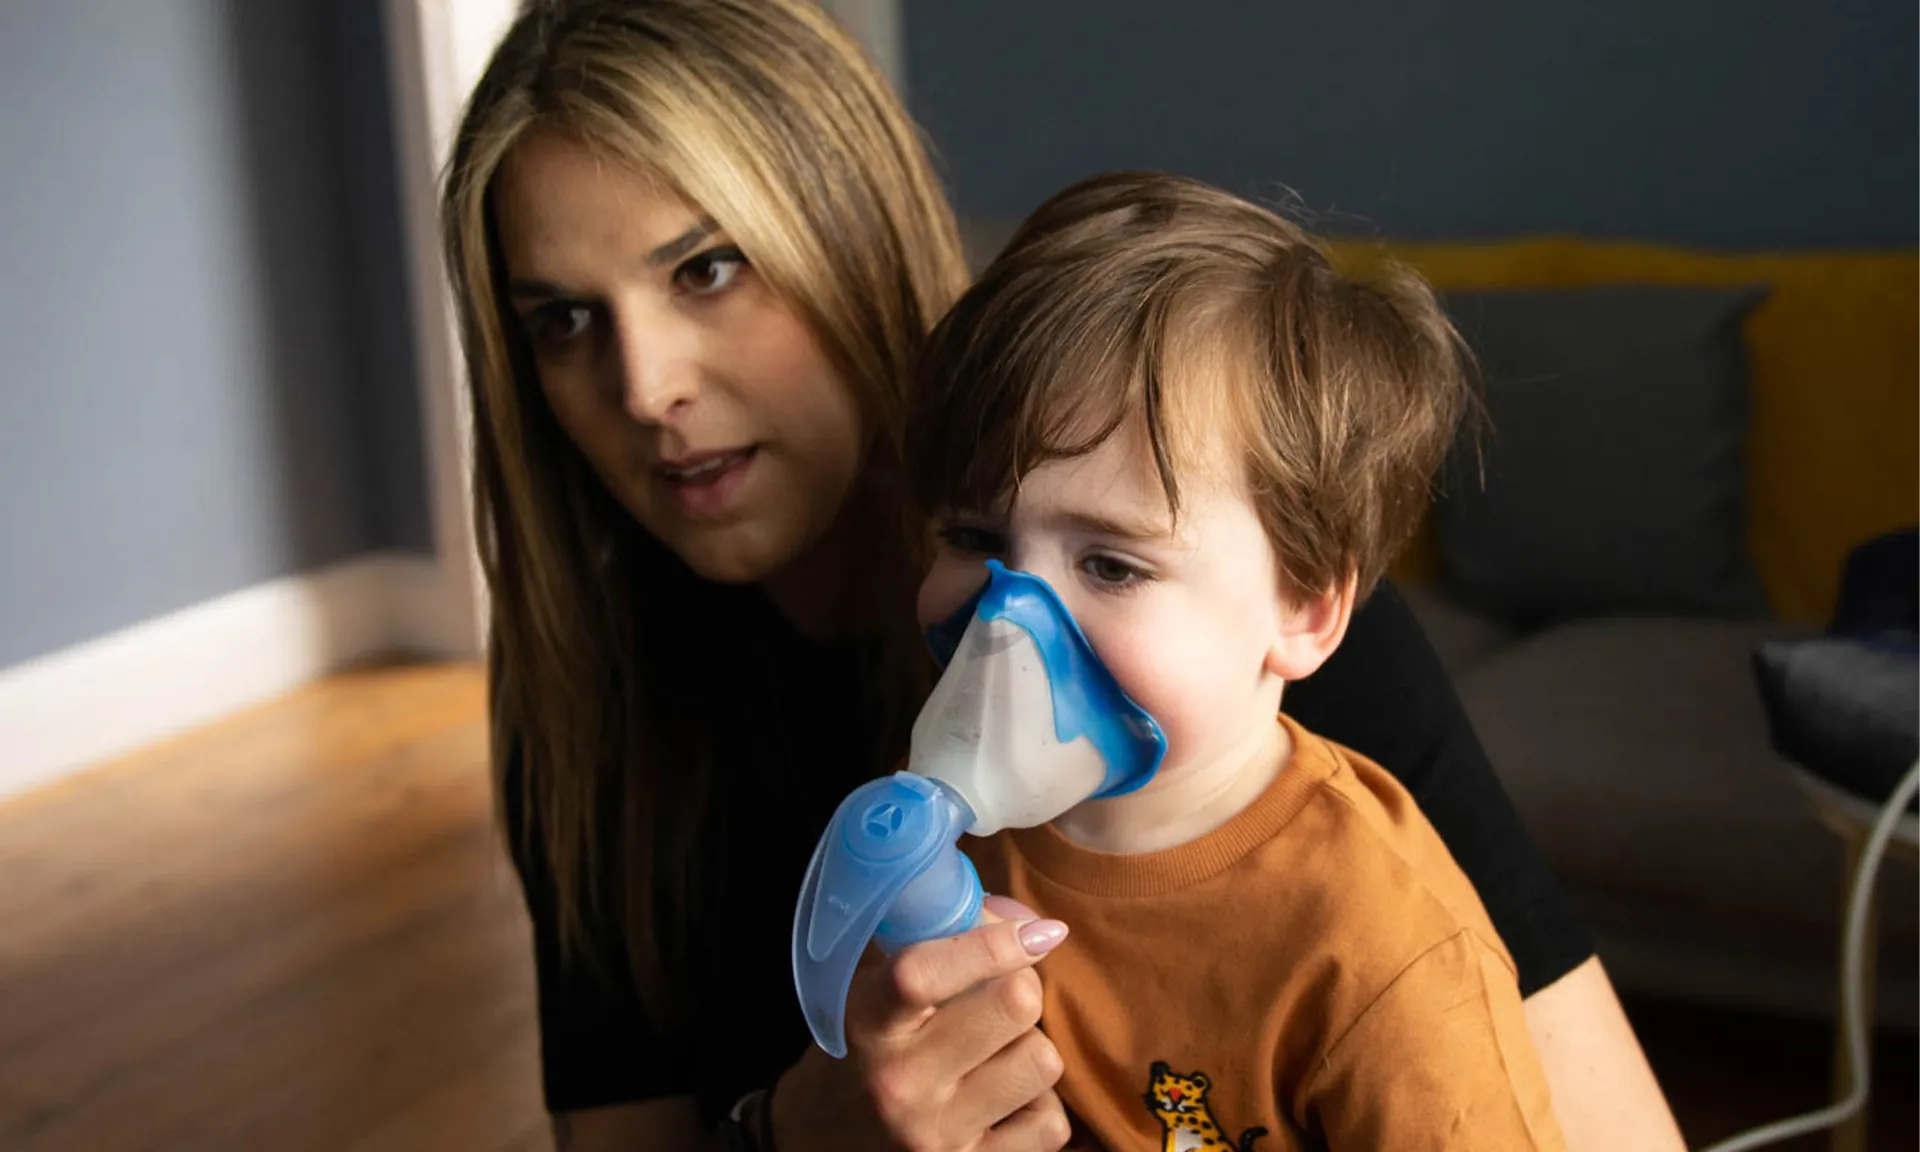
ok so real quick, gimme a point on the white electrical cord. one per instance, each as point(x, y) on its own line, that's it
point(1852, 1012)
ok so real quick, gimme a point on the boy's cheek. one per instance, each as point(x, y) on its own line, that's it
point(1181, 685)
point(1148, 676)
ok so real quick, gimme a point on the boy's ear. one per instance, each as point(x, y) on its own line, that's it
point(1310, 629)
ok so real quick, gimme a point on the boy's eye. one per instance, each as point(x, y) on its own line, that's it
point(1112, 572)
point(560, 322)
point(969, 540)
point(710, 271)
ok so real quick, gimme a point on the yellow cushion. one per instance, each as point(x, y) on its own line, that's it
point(1834, 445)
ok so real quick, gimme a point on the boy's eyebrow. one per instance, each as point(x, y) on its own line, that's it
point(1119, 528)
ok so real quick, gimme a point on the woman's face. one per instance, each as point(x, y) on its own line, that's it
point(700, 398)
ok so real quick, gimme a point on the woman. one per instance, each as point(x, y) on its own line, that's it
point(696, 245)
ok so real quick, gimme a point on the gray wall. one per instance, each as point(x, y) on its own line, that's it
point(205, 380)
point(1763, 122)
point(395, 496)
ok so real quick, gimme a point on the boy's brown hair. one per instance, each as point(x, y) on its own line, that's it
point(1140, 296)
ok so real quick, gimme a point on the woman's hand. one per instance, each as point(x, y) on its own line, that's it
point(942, 1051)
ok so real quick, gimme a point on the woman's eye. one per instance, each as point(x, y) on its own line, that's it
point(971, 541)
point(710, 271)
point(1112, 572)
point(553, 325)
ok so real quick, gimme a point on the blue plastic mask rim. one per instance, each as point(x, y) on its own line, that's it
point(1118, 726)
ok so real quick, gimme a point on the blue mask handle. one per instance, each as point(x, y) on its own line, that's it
point(889, 869)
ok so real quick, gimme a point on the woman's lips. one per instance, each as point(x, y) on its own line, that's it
point(703, 484)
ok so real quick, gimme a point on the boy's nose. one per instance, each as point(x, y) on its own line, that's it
point(1035, 562)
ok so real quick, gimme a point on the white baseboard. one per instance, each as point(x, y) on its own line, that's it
point(70, 709)
point(424, 614)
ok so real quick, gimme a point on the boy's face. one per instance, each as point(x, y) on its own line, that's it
point(1188, 617)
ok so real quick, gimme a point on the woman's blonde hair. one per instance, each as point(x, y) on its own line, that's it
point(765, 115)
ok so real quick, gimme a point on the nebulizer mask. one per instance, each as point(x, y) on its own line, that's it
point(1024, 723)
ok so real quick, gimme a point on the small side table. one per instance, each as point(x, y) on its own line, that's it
point(1852, 819)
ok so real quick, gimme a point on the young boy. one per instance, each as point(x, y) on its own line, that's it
point(1165, 402)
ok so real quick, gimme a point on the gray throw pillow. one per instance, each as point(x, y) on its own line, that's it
point(1615, 471)
point(1844, 709)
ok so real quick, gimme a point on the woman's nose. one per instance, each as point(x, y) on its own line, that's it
point(659, 369)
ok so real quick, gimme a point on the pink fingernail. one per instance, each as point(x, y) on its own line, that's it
point(1042, 936)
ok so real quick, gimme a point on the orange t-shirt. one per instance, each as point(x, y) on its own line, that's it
point(1317, 967)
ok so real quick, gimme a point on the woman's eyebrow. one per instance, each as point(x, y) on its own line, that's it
point(684, 243)
point(536, 290)
point(668, 253)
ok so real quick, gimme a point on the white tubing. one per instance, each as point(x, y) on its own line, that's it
point(1852, 1014)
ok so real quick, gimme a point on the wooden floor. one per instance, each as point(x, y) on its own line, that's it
point(295, 931)
point(291, 931)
